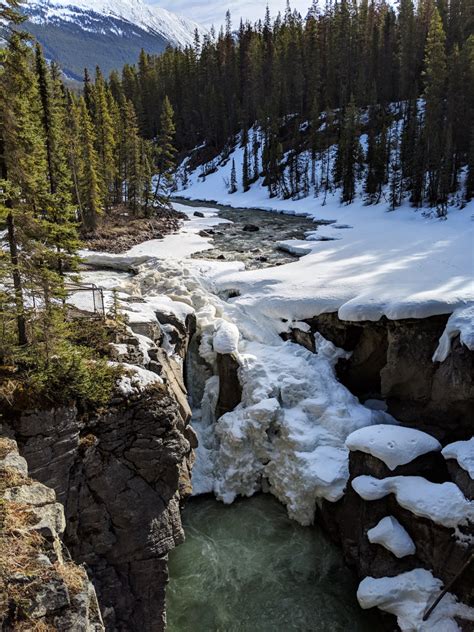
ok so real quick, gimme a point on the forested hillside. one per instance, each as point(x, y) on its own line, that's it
point(66, 161)
point(391, 89)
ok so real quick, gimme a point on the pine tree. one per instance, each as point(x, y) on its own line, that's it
point(105, 139)
point(435, 93)
point(246, 170)
point(349, 153)
point(59, 219)
point(255, 154)
point(165, 154)
point(89, 180)
point(233, 179)
point(469, 192)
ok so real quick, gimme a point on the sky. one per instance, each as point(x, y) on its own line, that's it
point(208, 12)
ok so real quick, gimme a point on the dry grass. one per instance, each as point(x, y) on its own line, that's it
point(73, 576)
point(21, 572)
point(6, 446)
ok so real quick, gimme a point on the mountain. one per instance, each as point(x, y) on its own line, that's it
point(108, 33)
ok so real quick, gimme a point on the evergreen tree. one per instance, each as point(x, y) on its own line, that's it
point(233, 179)
point(105, 139)
point(349, 153)
point(165, 154)
point(59, 217)
point(246, 170)
point(26, 203)
point(435, 100)
point(89, 180)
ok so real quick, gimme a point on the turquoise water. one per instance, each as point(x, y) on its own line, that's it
point(248, 568)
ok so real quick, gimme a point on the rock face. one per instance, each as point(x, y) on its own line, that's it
point(349, 520)
point(41, 587)
point(392, 360)
point(121, 474)
point(230, 389)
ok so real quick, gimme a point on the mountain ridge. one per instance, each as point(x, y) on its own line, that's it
point(85, 33)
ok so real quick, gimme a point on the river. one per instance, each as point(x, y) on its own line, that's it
point(249, 568)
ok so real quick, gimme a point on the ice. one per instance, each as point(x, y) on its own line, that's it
point(442, 503)
point(463, 453)
point(390, 534)
point(394, 445)
point(408, 596)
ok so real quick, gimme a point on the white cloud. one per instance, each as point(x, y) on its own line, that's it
point(209, 12)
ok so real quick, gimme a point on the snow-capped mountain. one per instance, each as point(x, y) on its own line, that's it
point(108, 33)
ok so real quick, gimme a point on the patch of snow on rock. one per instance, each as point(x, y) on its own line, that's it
point(408, 596)
point(442, 503)
point(460, 323)
point(390, 534)
point(226, 338)
point(463, 453)
point(394, 445)
point(136, 379)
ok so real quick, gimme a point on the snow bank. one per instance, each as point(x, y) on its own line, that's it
point(442, 503)
point(226, 338)
point(460, 323)
point(408, 596)
point(463, 453)
point(125, 263)
point(390, 534)
point(394, 445)
point(398, 264)
point(136, 380)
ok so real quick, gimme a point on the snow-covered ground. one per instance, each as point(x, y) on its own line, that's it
point(401, 264)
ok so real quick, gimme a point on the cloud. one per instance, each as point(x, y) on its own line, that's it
point(209, 12)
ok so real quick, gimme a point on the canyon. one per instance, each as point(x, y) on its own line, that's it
point(219, 401)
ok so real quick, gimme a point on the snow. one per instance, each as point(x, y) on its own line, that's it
point(408, 596)
point(399, 264)
point(442, 503)
point(184, 244)
point(394, 445)
point(226, 338)
point(136, 379)
point(390, 534)
point(463, 453)
point(174, 28)
point(460, 323)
